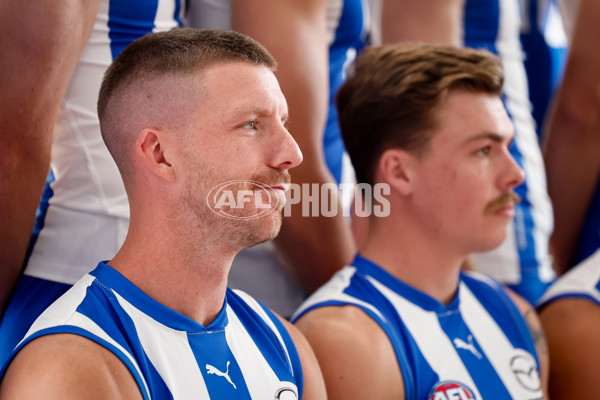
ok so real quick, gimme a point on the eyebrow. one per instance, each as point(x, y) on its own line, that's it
point(491, 136)
point(259, 111)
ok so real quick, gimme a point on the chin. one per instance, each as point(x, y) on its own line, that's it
point(492, 243)
point(266, 229)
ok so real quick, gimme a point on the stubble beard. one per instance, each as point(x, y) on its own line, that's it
point(216, 230)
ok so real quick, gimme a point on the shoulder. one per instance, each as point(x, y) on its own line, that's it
point(580, 281)
point(571, 326)
point(355, 354)
point(67, 366)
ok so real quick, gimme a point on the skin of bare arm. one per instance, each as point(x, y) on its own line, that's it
point(571, 327)
point(572, 137)
point(356, 357)
point(311, 247)
point(66, 366)
point(430, 21)
point(535, 328)
point(314, 386)
point(41, 44)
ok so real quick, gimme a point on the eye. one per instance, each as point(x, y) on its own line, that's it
point(250, 124)
point(484, 151)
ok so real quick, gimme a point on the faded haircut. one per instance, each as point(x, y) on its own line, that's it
point(176, 53)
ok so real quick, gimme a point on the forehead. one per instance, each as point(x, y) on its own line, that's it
point(240, 87)
point(465, 115)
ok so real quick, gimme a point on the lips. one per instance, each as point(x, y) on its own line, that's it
point(283, 186)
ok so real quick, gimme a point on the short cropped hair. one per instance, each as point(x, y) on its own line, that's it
point(393, 92)
point(177, 53)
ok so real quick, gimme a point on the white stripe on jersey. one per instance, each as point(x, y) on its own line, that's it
point(435, 345)
point(334, 290)
point(164, 15)
point(496, 346)
point(170, 353)
point(580, 280)
point(64, 312)
point(260, 311)
point(252, 363)
point(332, 15)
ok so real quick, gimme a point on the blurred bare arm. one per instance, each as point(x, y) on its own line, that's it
point(429, 21)
point(294, 31)
point(572, 136)
point(40, 43)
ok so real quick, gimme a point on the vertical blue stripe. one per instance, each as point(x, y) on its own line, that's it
point(177, 13)
point(40, 217)
point(212, 353)
point(481, 24)
point(264, 338)
point(129, 20)
point(295, 367)
point(482, 372)
point(589, 239)
point(348, 37)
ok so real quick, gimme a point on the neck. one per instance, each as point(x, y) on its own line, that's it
point(192, 283)
point(428, 265)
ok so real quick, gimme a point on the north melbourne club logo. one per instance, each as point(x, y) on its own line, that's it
point(451, 390)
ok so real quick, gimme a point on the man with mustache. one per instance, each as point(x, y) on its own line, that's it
point(403, 321)
point(181, 112)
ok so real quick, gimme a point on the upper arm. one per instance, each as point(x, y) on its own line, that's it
point(314, 387)
point(356, 356)
point(537, 333)
point(572, 327)
point(431, 21)
point(66, 366)
point(41, 44)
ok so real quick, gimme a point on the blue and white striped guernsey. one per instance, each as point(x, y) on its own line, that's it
point(582, 281)
point(523, 260)
point(245, 353)
point(478, 345)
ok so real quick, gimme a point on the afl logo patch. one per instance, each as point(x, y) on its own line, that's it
point(451, 390)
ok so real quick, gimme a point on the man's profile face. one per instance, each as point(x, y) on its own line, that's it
point(240, 152)
point(466, 177)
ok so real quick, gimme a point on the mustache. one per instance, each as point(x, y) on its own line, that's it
point(273, 178)
point(505, 199)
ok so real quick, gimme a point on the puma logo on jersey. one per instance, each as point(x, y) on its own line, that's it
point(461, 344)
point(213, 370)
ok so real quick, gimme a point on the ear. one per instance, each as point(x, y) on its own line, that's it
point(396, 167)
point(153, 150)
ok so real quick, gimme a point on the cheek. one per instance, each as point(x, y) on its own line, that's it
point(462, 190)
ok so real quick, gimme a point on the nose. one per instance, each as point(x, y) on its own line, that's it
point(286, 154)
point(513, 174)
